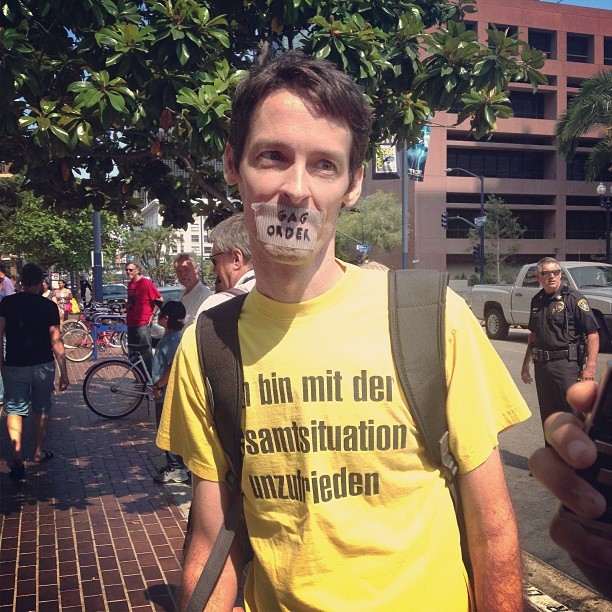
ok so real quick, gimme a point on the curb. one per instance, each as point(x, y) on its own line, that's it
point(548, 589)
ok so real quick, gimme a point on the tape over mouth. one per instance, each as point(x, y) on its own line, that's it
point(287, 226)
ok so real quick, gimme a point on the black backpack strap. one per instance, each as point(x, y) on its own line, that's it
point(221, 364)
point(417, 302)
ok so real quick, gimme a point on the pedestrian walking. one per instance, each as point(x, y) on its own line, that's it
point(31, 324)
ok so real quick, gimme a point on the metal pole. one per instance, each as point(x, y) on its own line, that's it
point(608, 206)
point(482, 232)
point(97, 257)
point(404, 210)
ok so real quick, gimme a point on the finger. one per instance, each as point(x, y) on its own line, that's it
point(581, 395)
point(580, 543)
point(565, 433)
point(561, 480)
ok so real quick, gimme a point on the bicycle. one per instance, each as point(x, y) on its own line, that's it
point(79, 342)
point(85, 324)
point(114, 388)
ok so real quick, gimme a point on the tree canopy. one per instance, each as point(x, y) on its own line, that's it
point(50, 240)
point(588, 110)
point(151, 248)
point(95, 95)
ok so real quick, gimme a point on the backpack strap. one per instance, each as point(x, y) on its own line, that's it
point(221, 364)
point(417, 302)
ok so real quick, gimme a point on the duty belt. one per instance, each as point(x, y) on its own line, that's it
point(543, 355)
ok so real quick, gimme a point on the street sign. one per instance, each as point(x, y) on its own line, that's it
point(362, 248)
point(480, 221)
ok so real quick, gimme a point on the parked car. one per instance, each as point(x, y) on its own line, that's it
point(500, 306)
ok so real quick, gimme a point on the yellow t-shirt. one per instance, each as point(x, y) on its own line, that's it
point(343, 509)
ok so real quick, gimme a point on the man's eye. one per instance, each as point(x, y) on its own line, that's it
point(272, 155)
point(326, 165)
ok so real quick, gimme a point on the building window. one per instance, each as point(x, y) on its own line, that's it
point(195, 237)
point(575, 169)
point(471, 26)
point(528, 105)
point(579, 48)
point(499, 164)
point(607, 51)
point(584, 225)
point(544, 40)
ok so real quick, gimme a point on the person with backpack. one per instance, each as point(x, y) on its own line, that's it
point(344, 507)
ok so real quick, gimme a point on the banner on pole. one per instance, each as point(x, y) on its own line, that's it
point(416, 156)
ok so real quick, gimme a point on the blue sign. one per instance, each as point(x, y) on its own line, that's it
point(363, 248)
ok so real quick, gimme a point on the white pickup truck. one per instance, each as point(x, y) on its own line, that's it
point(501, 306)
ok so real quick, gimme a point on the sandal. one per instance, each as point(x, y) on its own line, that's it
point(46, 456)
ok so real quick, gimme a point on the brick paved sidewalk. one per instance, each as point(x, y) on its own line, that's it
point(89, 530)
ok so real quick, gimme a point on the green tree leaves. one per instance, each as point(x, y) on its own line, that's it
point(93, 84)
point(590, 109)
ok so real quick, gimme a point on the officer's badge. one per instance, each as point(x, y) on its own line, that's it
point(558, 306)
point(583, 305)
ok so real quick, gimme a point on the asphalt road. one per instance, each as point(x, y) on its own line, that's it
point(534, 506)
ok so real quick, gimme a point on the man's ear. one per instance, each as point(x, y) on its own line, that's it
point(237, 258)
point(230, 172)
point(352, 195)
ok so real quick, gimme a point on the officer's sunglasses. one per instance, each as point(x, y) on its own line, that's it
point(553, 272)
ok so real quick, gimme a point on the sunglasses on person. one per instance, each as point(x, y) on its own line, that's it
point(130, 269)
point(546, 273)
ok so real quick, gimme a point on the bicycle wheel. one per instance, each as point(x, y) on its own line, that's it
point(113, 388)
point(66, 326)
point(78, 345)
point(124, 346)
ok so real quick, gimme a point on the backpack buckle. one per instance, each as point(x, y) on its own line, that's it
point(447, 461)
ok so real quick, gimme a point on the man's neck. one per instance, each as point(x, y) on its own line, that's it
point(293, 284)
point(188, 289)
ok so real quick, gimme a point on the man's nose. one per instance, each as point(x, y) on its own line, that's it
point(296, 183)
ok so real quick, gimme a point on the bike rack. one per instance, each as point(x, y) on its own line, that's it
point(99, 327)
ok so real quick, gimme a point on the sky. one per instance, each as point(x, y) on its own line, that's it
point(602, 4)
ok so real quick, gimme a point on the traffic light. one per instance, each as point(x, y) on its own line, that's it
point(476, 251)
point(444, 219)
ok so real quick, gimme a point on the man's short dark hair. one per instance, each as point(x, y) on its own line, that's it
point(232, 234)
point(31, 275)
point(319, 84)
point(176, 313)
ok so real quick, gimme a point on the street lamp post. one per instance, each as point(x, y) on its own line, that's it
point(606, 204)
point(480, 177)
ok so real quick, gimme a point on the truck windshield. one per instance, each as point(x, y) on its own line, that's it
point(592, 276)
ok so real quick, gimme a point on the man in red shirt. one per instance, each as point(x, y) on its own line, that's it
point(143, 302)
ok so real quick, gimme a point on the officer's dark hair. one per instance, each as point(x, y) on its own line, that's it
point(545, 261)
point(319, 84)
point(176, 313)
point(31, 275)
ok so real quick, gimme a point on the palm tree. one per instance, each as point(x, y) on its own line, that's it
point(590, 109)
point(152, 247)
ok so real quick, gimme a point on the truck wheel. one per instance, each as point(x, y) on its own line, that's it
point(496, 325)
point(605, 340)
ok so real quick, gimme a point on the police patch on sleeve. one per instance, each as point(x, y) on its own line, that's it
point(583, 305)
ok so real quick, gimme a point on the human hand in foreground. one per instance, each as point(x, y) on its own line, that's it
point(589, 548)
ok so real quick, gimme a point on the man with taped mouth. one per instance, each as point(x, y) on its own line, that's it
point(344, 511)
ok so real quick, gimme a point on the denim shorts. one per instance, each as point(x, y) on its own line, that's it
point(28, 385)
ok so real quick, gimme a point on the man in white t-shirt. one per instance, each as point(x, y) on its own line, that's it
point(231, 259)
point(195, 292)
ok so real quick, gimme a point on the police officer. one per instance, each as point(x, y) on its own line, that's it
point(563, 332)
